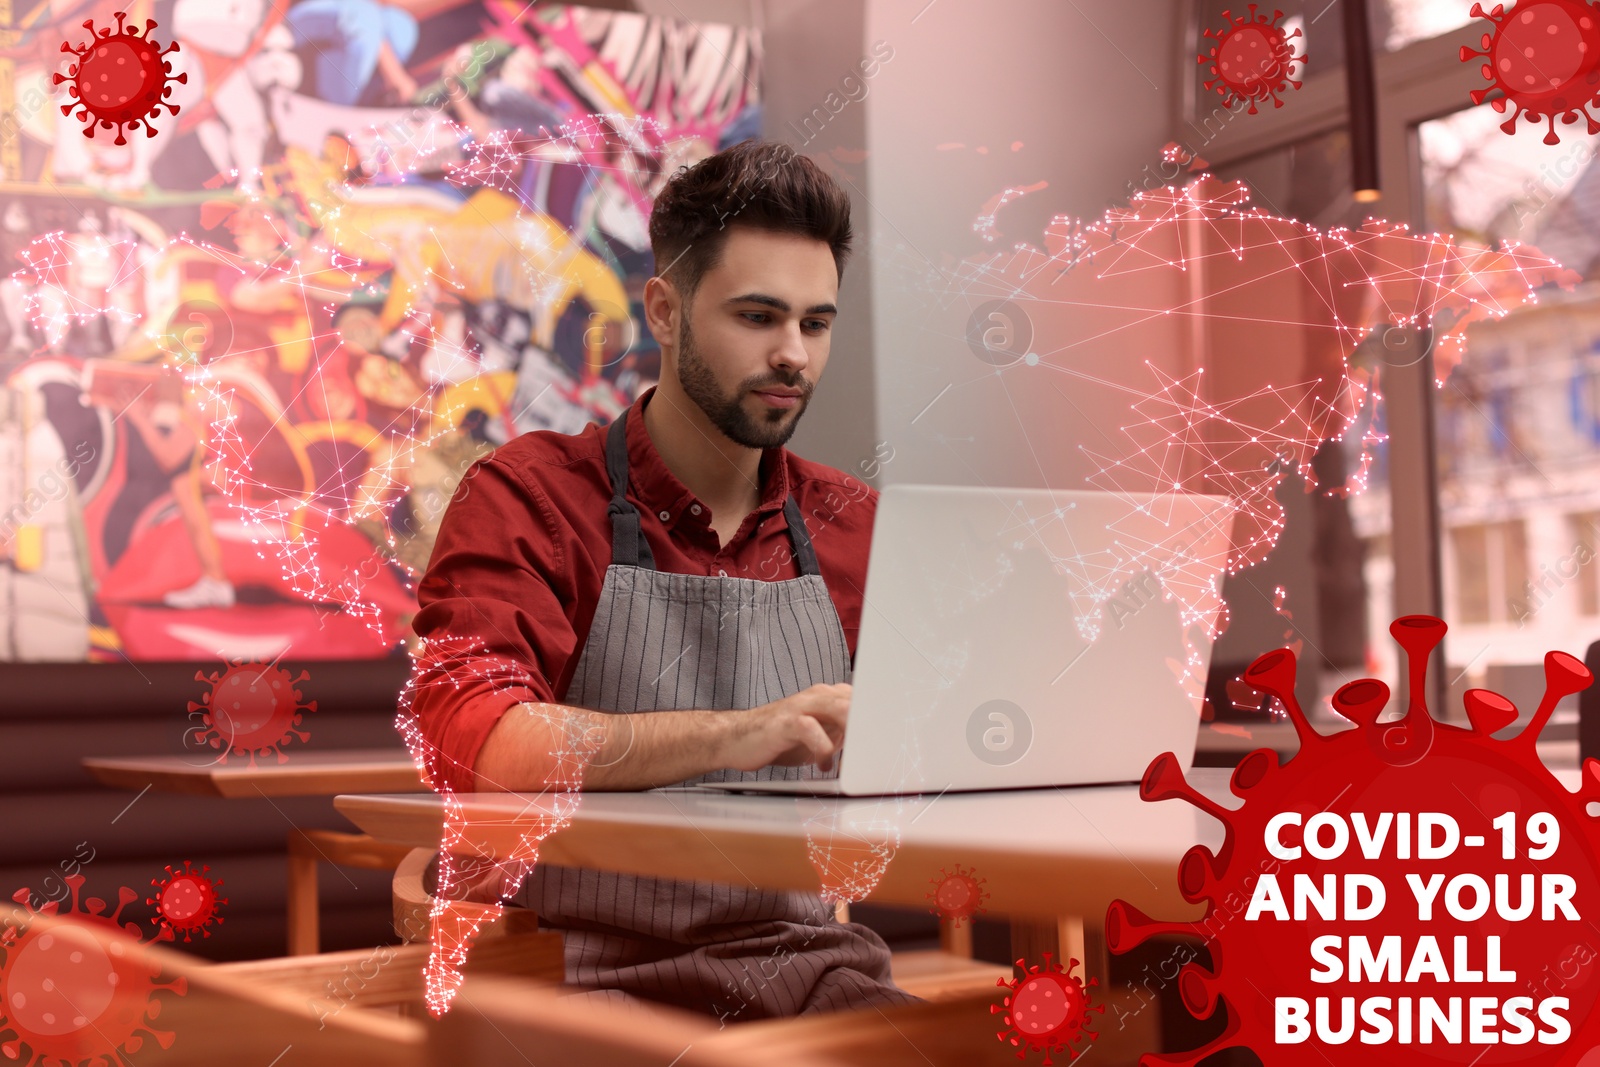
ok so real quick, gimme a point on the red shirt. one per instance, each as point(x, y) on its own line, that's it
point(516, 570)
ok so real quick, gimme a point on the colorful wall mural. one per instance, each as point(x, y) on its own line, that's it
point(247, 358)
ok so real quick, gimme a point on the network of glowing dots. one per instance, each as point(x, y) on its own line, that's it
point(68, 996)
point(1544, 57)
point(186, 901)
point(958, 896)
point(471, 887)
point(1464, 772)
point(252, 709)
point(1252, 59)
point(1047, 1010)
point(120, 79)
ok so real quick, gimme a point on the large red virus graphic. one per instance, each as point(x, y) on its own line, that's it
point(1252, 59)
point(120, 79)
point(69, 997)
point(252, 708)
point(1047, 1010)
point(1544, 55)
point(1359, 804)
point(957, 896)
point(186, 901)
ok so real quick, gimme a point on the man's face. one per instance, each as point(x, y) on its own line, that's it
point(758, 327)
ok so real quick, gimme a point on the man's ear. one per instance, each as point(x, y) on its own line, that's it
point(663, 308)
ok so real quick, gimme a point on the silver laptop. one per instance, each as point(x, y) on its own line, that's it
point(1016, 638)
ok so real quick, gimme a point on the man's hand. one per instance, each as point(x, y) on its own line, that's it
point(807, 727)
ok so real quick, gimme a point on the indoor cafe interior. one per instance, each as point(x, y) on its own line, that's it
point(416, 639)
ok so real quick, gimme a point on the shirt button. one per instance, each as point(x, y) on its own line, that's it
point(695, 508)
point(665, 515)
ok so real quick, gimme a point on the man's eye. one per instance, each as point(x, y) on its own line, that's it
point(817, 324)
point(755, 316)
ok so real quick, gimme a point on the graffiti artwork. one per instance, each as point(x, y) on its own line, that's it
point(249, 351)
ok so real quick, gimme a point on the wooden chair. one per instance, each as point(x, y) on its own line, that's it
point(207, 1014)
point(391, 976)
point(495, 1023)
point(307, 848)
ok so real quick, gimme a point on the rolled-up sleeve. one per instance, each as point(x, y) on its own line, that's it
point(492, 619)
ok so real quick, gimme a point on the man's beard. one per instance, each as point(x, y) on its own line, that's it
point(770, 430)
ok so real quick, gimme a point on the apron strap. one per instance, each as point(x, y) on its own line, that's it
point(628, 545)
point(805, 556)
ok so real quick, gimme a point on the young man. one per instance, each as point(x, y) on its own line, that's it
point(656, 584)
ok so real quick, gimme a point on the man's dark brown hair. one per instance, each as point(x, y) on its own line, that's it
point(761, 184)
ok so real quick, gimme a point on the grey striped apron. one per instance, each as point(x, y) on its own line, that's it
point(663, 642)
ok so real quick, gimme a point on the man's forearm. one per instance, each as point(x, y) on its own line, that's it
point(535, 747)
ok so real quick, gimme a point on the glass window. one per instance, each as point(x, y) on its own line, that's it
point(1406, 21)
point(1517, 428)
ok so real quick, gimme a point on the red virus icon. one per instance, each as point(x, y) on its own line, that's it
point(1507, 806)
point(120, 79)
point(1047, 1010)
point(66, 997)
point(186, 902)
point(1544, 56)
point(252, 708)
point(1252, 59)
point(957, 895)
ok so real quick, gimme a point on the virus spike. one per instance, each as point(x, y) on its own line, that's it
point(1409, 739)
point(1164, 780)
point(1197, 873)
point(1275, 673)
point(1253, 770)
point(1198, 987)
point(1127, 927)
point(1224, 1040)
point(1563, 676)
point(1361, 701)
point(1488, 711)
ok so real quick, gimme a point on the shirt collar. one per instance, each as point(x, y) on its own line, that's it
point(658, 489)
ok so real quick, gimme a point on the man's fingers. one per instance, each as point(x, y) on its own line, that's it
point(817, 740)
point(830, 700)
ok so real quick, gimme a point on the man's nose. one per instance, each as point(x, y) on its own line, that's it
point(791, 349)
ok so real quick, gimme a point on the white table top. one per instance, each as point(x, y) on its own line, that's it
point(1042, 852)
